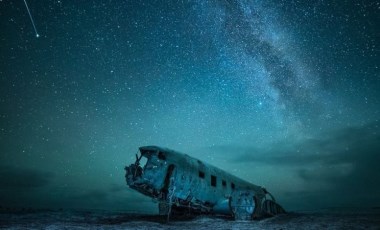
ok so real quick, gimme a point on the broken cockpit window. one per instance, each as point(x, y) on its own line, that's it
point(141, 161)
point(161, 156)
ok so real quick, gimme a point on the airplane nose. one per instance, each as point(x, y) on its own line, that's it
point(133, 173)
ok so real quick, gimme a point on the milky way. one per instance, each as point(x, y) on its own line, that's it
point(280, 93)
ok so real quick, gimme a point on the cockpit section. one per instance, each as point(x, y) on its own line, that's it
point(147, 174)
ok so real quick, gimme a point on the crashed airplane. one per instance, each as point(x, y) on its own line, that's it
point(184, 185)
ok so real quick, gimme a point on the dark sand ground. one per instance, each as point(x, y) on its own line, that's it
point(29, 219)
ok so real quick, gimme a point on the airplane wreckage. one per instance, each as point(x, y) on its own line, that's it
point(184, 185)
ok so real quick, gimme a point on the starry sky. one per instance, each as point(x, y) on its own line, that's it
point(284, 94)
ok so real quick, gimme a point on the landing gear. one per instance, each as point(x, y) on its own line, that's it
point(243, 205)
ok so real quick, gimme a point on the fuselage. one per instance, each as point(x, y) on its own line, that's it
point(182, 181)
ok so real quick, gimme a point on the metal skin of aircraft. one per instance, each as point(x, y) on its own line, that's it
point(184, 185)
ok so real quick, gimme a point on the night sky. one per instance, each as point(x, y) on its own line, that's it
point(284, 94)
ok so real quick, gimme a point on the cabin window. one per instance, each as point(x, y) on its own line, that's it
point(213, 180)
point(232, 185)
point(161, 156)
point(201, 174)
point(224, 183)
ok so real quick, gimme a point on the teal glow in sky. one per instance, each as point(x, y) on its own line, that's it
point(284, 94)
